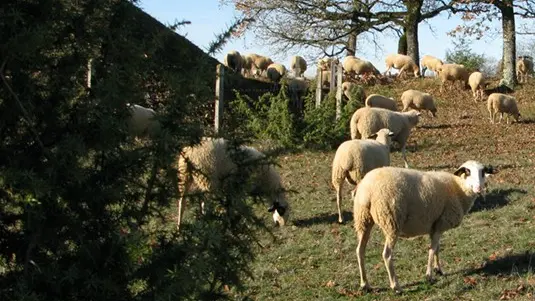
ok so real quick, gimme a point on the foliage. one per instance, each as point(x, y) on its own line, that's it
point(84, 207)
point(463, 54)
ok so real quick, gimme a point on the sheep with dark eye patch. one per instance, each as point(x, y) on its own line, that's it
point(203, 167)
point(409, 203)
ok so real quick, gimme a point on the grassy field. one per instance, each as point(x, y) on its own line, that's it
point(489, 257)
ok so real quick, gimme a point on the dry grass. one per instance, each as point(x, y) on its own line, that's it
point(489, 257)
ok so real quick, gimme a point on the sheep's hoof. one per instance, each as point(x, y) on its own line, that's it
point(365, 287)
point(340, 221)
point(438, 271)
point(397, 290)
point(430, 279)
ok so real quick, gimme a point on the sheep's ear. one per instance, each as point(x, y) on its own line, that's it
point(462, 170)
point(489, 170)
point(372, 136)
point(390, 134)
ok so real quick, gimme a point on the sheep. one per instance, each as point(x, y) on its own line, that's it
point(430, 62)
point(234, 61)
point(402, 62)
point(275, 72)
point(418, 100)
point(203, 168)
point(366, 121)
point(453, 72)
point(524, 67)
point(259, 64)
point(247, 64)
point(298, 65)
point(325, 63)
point(349, 91)
point(476, 80)
point(325, 77)
point(142, 121)
point(409, 203)
point(354, 158)
point(297, 88)
point(380, 101)
point(358, 66)
point(502, 103)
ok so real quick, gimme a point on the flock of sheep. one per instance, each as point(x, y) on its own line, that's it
point(403, 202)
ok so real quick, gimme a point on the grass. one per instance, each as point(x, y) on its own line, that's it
point(490, 256)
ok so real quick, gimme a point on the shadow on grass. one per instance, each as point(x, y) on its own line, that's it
point(520, 263)
point(436, 126)
point(495, 199)
point(324, 218)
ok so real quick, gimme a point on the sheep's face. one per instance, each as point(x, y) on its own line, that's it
point(474, 174)
point(280, 213)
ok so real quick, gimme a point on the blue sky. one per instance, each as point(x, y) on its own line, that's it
point(209, 17)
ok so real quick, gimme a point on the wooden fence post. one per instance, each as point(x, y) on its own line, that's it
point(319, 85)
point(219, 93)
point(339, 73)
point(333, 77)
point(89, 71)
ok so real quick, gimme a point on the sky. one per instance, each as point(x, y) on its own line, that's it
point(209, 18)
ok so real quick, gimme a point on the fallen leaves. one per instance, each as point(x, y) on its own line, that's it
point(509, 294)
point(471, 281)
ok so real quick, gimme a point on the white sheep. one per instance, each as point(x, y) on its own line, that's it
point(349, 89)
point(325, 77)
point(453, 73)
point(247, 66)
point(380, 101)
point(275, 72)
point(430, 62)
point(502, 103)
point(259, 64)
point(298, 65)
point(476, 80)
point(203, 168)
point(142, 121)
point(409, 203)
point(524, 67)
point(418, 100)
point(366, 121)
point(355, 158)
point(234, 61)
point(325, 63)
point(402, 62)
point(353, 65)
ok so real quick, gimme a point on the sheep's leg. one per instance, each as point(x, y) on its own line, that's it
point(403, 154)
point(339, 200)
point(433, 255)
point(401, 71)
point(388, 257)
point(491, 116)
point(501, 117)
point(388, 70)
point(363, 237)
point(180, 207)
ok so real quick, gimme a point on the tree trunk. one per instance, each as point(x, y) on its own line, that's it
point(351, 47)
point(412, 19)
point(509, 47)
point(402, 43)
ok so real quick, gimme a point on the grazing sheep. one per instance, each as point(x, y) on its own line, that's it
point(476, 80)
point(402, 62)
point(298, 65)
point(418, 100)
point(204, 167)
point(259, 64)
point(247, 65)
point(366, 121)
point(358, 66)
point(325, 63)
point(297, 88)
point(355, 158)
point(349, 91)
point(275, 72)
point(234, 61)
point(380, 101)
point(409, 203)
point(142, 121)
point(502, 103)
point(430, 62)
point(524, 67)
point(453, 73)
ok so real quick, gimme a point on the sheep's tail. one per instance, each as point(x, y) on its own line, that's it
point(353, 127)
point(361, 211)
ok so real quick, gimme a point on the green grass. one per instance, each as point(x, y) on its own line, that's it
point(490, 256)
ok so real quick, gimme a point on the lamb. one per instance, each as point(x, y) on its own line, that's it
point(275, 72)
point(325, 63)
point(298, 65)
point(418, 100)
point(204, 167)
point(409, 203)
point(524, 66)
point(502, 103)
point(355, 158)
point(476, 80)
point(142, 121)
point(453, 72)
point(358, 66)
point(349, 90)
point(380, 101)
point(402, 62)
point(366, 121)
point(431, 63)
point(234, 61)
